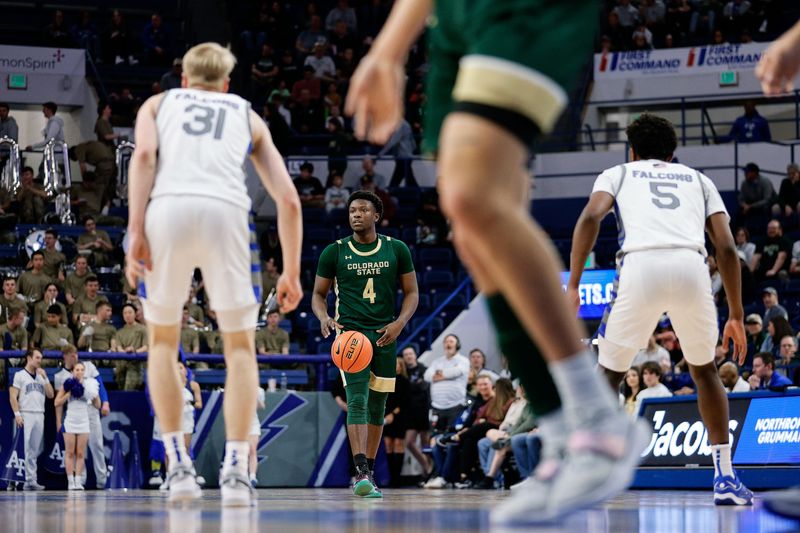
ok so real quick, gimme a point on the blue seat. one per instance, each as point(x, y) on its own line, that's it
point(215, 376)
point(436, 280)
point(320, 236)
point(409, 235)
point(458, 303)
point(435, 258)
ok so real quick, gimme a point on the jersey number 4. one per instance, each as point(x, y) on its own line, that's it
point(369, 291)
point(663, 199)
point(204, 120)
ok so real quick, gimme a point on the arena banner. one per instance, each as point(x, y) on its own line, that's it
point(764, 431)
point(596, 290)
point(36, 60)
point(678, 61)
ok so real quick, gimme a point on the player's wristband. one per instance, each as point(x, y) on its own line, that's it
point(17, 413)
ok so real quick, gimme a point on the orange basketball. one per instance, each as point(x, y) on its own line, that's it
point(351, 351)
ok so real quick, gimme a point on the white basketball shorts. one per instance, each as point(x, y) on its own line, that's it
point(649, 283)
point(185, 232)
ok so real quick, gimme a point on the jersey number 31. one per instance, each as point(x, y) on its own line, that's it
point(203, 121)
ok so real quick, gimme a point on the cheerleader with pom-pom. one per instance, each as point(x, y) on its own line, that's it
point(77, 392)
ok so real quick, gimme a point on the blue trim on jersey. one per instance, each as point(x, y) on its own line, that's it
point(620, 225)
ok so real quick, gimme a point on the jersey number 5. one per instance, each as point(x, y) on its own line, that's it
point(664, 200)
point(203, 121)
point(369, 291)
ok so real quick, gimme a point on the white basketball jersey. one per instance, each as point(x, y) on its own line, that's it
point(660, 205)
point(31, 391)
point(203, 140)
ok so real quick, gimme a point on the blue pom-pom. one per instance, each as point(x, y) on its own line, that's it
point(69, 383)
point(77, 391)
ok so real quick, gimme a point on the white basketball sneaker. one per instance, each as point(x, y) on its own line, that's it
point(236, 490)
point(183, 486)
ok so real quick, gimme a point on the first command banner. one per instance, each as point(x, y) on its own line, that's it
point(36, 60)
point(680, 61)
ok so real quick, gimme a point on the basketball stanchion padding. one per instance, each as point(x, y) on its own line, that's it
point(135, 474)
point(14, 461)
point(117, 473)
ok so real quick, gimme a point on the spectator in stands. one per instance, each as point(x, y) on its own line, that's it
point(277, 123)
point(56, 34)
point(290, 71)
point(99, 335)
point(49, 298)
point(617, 35)
point(654, 352)
point(263, 74)
point(733, 382)
point(418, 403)
point(196, 314)
point(52, 335)
point(744, 245)
point(628, 15)
point(85, 307)
point(642, 38)
point(156, 42)
point(342, 13)
point(764, 376)
point(338, 145)
point(95, 192)
point(53, 130)
point(494, 448)
point(341, 38)
point(368, 165)
point(448, 378)
point(756, 334)
point(124, 105)
point(10, 299)
point(477, 367)
point(103, 128)
point(703, 20)
point(13, 334)
point(271, 339)
point(190, 340)
point(269, 276)
point(95, 241)
point(8, 126)
point(651, 376)
point(31, 283)
point(630, 387)
point(31, 197)
point(85, 35)
point(718, 38)
point(720, 354)
point(401, 145)
point(336, 195)
point(131, 338)
point(756, 194)
point(172, 78)
point(308, 38)
point(772, 306)
point(389, 205)
point(787, 355)
point(789, 195)
point(75, 284)
point(736, 16)
point(324, 68)
point(777, 328)
point(750, 127)
point(117, 41)
point(53, 259)
point(394, 425)
point(309, 83)
point(772, 253)
point(310, 189)
point(307, 114)
point(346, 64)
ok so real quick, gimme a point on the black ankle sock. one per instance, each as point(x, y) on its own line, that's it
point(371, 464)
point(360, 461)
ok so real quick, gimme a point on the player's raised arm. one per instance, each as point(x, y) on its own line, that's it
point(141, 176)
point(272, 171)
point(375, 98)
point(583, 240)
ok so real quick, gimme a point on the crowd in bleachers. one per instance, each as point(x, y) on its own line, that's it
point(657, 24)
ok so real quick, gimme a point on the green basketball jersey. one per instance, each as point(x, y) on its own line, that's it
point(365, 279)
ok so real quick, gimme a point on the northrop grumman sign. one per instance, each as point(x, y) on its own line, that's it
point(35, 60)
point(682, 61)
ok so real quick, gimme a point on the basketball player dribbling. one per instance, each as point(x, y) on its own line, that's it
point(188, 207)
